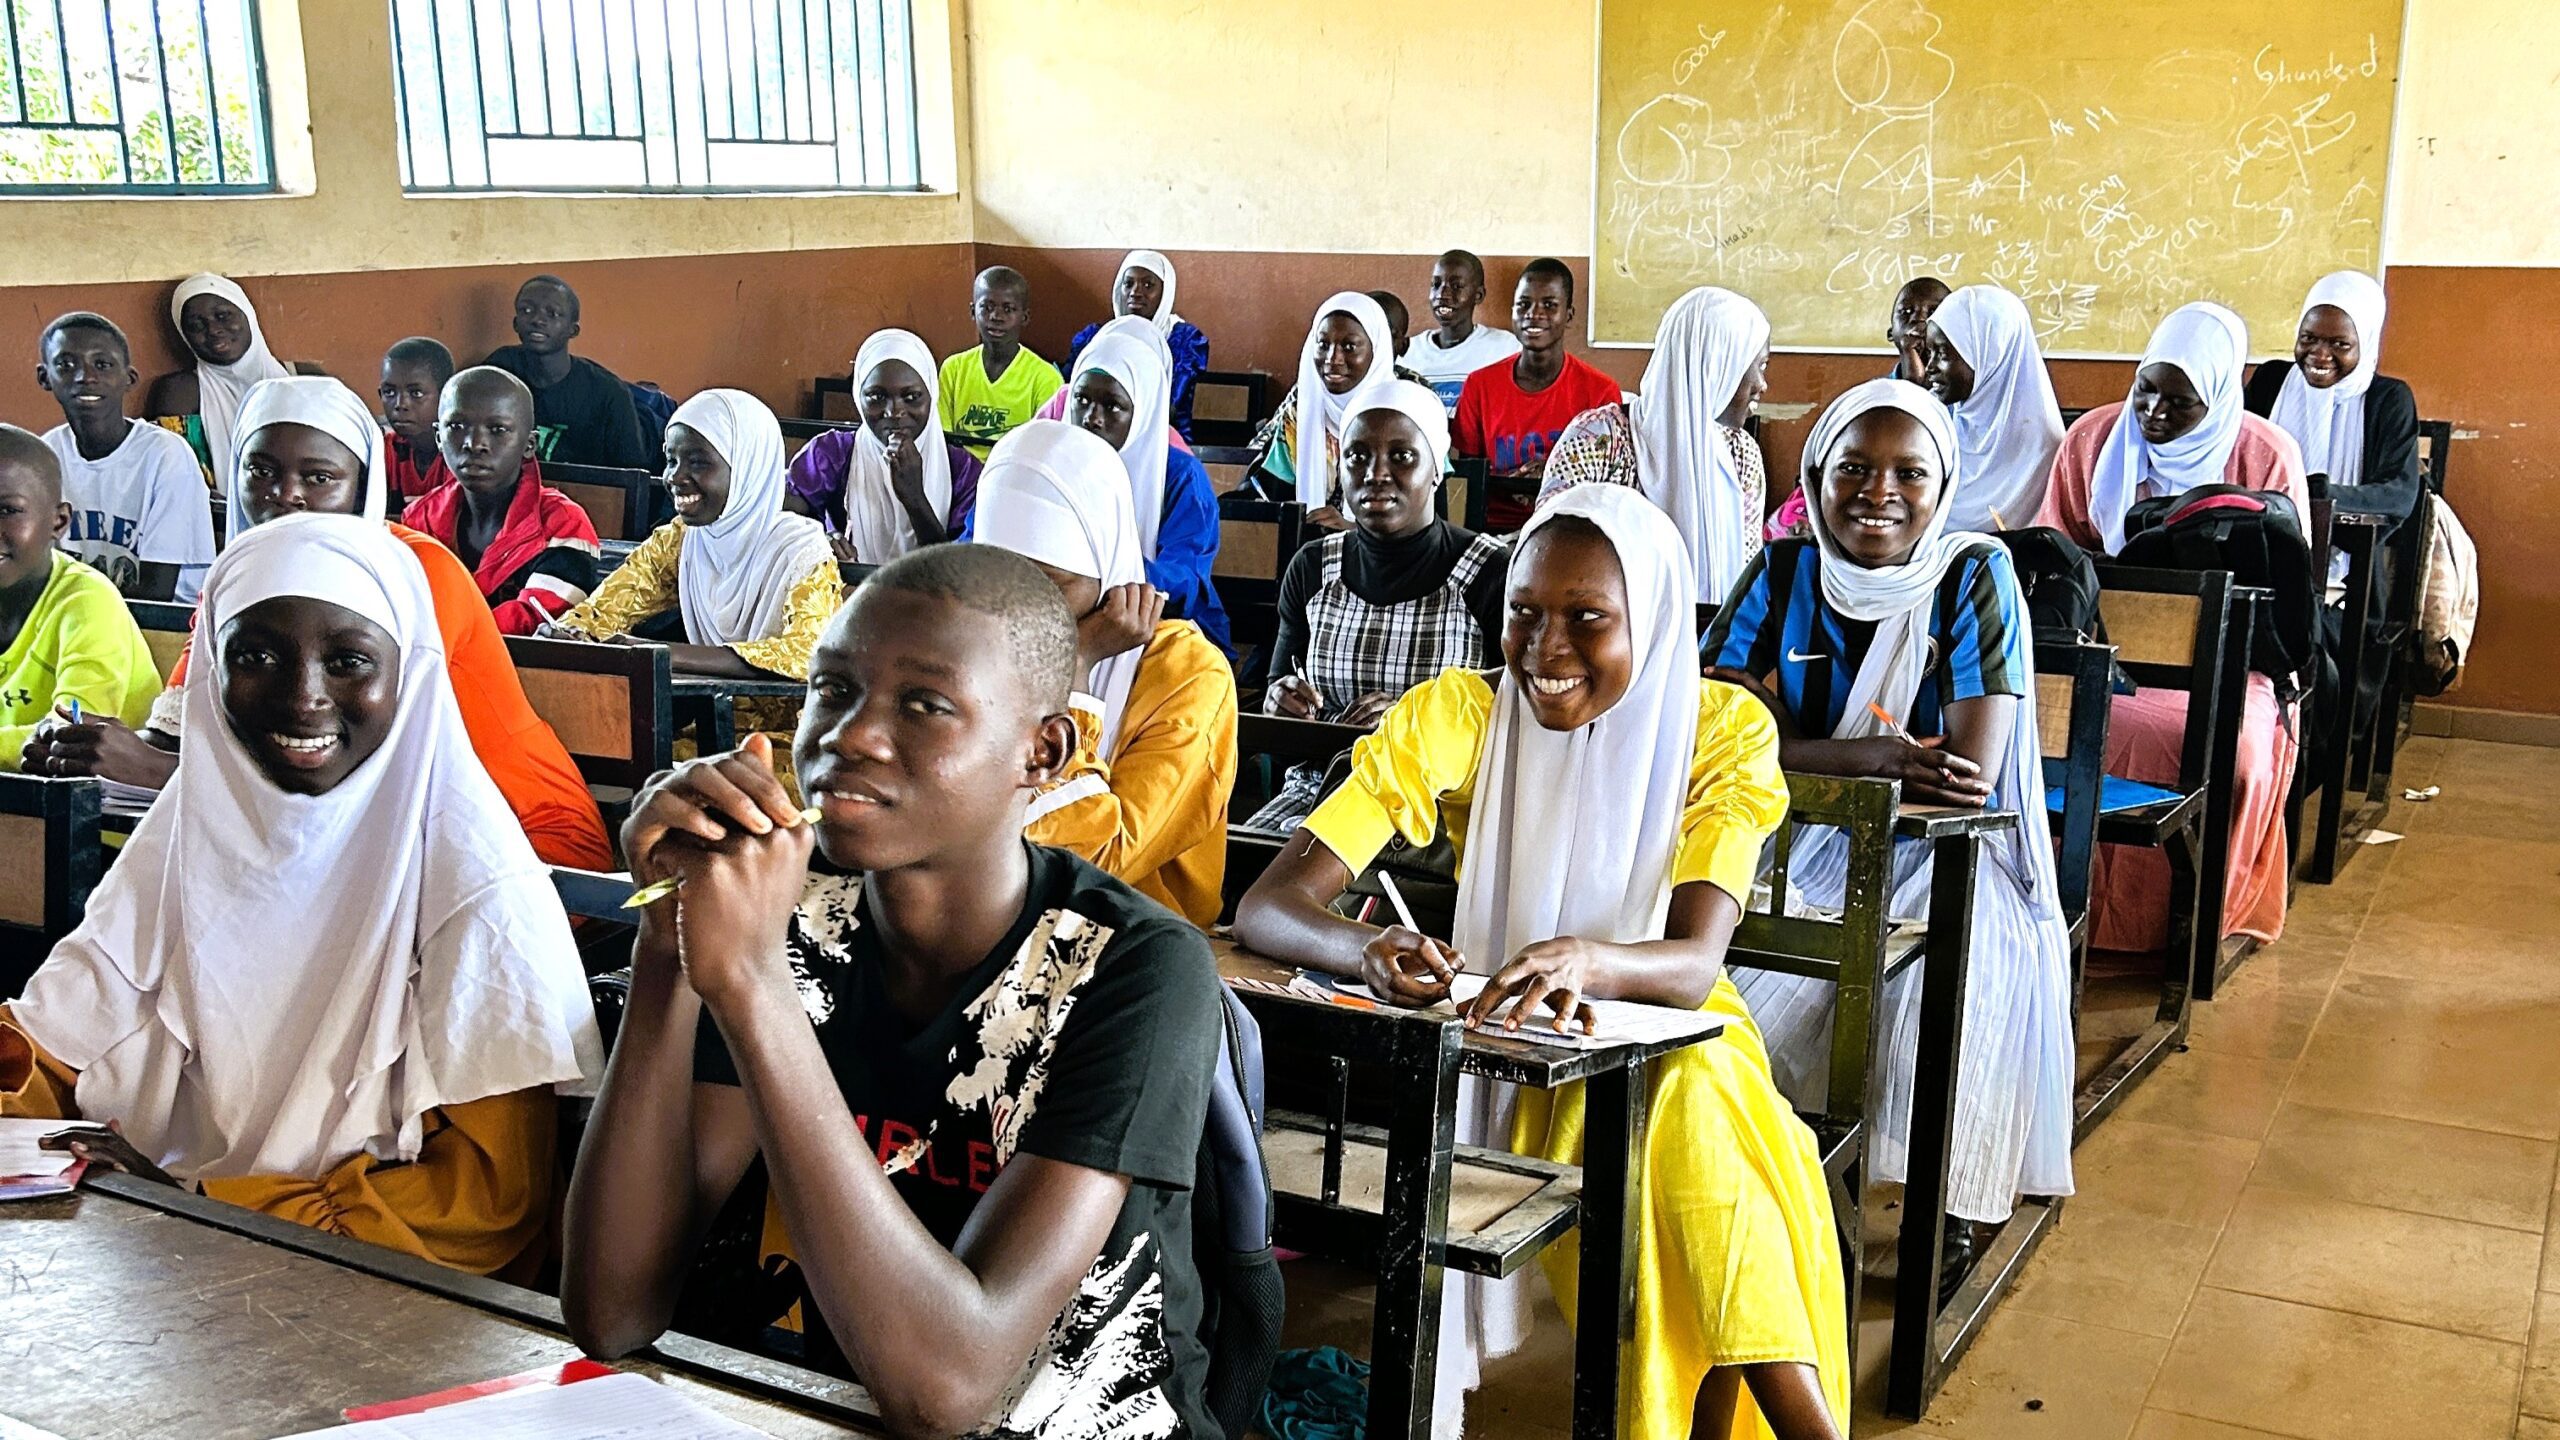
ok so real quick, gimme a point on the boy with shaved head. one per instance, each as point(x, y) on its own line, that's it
point(67, 643)
point(999, 382)
point(947, 1087)
point(584, 412)
point(531, 549)
point(139, 513)
point(1457, 347)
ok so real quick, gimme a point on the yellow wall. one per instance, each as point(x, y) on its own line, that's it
point(2475, 172)
point(349, 213)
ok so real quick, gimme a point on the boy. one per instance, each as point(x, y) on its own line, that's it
point(1510, 415)
point(962, 1079)
point(67, 642)
point(1399, 320)
point(1460, 347)
point(584, 410)
point(1907, 328)
point(530, 549)
point(413, 375)
point(997, 383)
point(139, 513)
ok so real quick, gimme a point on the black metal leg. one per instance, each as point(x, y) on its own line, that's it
point(1422, 1132)
point(1616, 1105)
point(1916, 1367)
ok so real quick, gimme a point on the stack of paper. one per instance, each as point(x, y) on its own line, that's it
point(1618, 1022)
point(117, 798)
point(617, 1407)
point(26, 1168)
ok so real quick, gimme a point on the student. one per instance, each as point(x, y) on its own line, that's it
point(1119, 394)
point(326, 979)
point(1145, 794)
point(753, 583)
point(1983, 365)
point(584, 410)
point(414, 372)
point(1144, 287)
point(997, 383)
point(2355, 425)
point(898, 483)
point(202, 405)
point(1348, 346)
point(1906, 328)
point(1446, 356)
point(1892, 605)
point(1598, 727)
point(1399, 320)
point(138, 509)
point(307, 444)
point(2183, 426)
point(530, 549)
point(954, 1085)
point(1681, 441)
point(66, 640)
point(1368, 613)
point(1510, 415)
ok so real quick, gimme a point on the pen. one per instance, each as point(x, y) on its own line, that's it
point(1889, 722)
point(75, 710)
point(1395, 897)
point(657, 890)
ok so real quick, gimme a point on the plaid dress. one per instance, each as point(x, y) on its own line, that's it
point(1600, 446)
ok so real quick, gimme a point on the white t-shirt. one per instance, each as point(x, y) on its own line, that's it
point(1446, 371)
point(145, 503)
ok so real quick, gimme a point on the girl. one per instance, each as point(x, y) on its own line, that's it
point(373, 1059)
point(1347, 347)
point(753, 583)
point(2183, 426)
point(1145, 795)
point(1681, 441)
point(1891, 605)
point(1371, 612)
point(898, 483)
point(307, 444)
point(1119, 393)
point(1143, 290)
point(1984, 366)
point(1598, 735)
point(221, 330)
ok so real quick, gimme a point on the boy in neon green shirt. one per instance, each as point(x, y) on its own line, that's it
point(997, 383)
point(65, 635)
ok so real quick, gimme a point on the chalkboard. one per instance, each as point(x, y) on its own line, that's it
point(2108, 160)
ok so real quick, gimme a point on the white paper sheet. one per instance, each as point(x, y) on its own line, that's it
point(1619, 1021)
point(22, 1160)
point(614, 1407)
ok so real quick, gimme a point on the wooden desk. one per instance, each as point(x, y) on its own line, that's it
point(135, 1310)
point(710, 703)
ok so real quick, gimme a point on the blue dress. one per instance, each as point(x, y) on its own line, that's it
point(1190, 356)
point(1187, 547)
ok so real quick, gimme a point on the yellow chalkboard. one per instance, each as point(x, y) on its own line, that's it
point(2108, 160)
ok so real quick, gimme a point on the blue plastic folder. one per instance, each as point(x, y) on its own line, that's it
point(2116, 794)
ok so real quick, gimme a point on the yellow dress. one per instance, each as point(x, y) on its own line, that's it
point(1738, 1260)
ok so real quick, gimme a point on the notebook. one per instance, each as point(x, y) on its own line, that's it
point(1618, 1021)
point(2114, 794)
point(27, 1170)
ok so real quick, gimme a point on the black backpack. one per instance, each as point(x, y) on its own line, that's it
point(2058, 580)
point(2257, 536)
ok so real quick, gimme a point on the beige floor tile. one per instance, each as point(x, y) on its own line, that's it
point(2104, 1267)
point(2519, 964)
point(2459, 1174)
point(2218, 1094)
point(2499, 884)
point(2531, 1428)
point(2421, 1269)
point(2260, 1016)
point(2435, 1078)
point(2487, 1010)
point(2169, 1425)
point(2162, 1172)
point(2542, 1362)
point(2087, 1382)
point(2324, 1375)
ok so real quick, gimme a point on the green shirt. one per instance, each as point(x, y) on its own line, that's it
point(79, 642)
point(978, 411)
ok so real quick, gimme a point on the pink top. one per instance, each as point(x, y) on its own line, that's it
point(2263, 457)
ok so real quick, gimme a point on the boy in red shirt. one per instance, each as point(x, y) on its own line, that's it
point(1511, 413)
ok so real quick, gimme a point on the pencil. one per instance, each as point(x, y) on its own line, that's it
point(1889, 722)
point(657, 890)
point(1395, 897)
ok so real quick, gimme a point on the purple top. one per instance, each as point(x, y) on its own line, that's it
point(818, 475)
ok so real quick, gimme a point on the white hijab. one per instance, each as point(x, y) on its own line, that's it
point(1131, 350)
point(735, 575)
point(322, 404)
point(1056, 493)
point(1709, 340)
point(2009, 427)
point(1154, 264)
point(1414, 402)
point(1320, 411)
point(272, 984)
point(2209, 345)
point(221, 389)
point(873, 519)
point(2330, 423)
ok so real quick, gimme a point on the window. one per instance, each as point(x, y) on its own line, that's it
point(655, 95)
point(159, 97)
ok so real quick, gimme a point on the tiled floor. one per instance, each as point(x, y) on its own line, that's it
point(2329, 1220)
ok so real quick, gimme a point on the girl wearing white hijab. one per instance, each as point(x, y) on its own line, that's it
point(1145, 795)
point(1894, 607)
point(1348, 346)
point(318, 403)
point(1169, 493)
point(374, 1059)
point(1681, 439)
point(231, 356)
point(2355, 424)
point(1984, 365)
point(1661, 793)
point(877, 523)
point(1143, 289)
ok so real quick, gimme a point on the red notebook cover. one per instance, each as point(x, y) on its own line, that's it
point(566, 1374)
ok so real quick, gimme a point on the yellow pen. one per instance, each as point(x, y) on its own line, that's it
point(657, 890)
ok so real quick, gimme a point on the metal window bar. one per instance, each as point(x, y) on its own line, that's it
point(133, 97)
point(667, 96)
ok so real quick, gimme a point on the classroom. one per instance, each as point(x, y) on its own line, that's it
point(1825, 742)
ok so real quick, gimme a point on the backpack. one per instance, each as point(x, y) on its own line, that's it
point(2448, 599)
point(2058, 580)
point(656, 408)
point(1241, 1296)
point(2257, 536)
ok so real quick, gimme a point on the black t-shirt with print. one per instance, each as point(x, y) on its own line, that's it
point(586, 419)
point(1088, 1036)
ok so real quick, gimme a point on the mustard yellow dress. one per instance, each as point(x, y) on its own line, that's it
point(1738, 1260)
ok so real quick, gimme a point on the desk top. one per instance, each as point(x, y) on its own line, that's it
point(126, 1320)
point(685, 686)
point(1938, 822)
